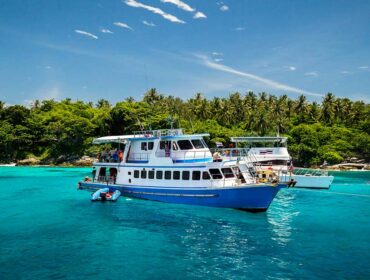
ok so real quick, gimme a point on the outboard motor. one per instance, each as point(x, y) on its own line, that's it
point(103, 196)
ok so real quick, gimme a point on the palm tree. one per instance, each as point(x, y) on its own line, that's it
point(36, 104)
point(152, 96)
point(301, 108)
point(314, 112)
point(327, 108)
point(102, 103)
point(2, 105)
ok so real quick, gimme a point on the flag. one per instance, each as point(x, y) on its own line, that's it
point(219, 144)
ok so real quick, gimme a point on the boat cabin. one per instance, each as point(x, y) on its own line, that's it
point(166, 158)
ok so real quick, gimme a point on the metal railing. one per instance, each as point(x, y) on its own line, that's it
point(158, 133)
point(106, 179)
point(309, 172)
point(234, 153)
point(182, 155)
point(138, 156)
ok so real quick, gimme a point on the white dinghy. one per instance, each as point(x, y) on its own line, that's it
point(105, 195)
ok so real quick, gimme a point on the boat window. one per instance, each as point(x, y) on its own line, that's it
point(143, 174)
point(144, 146)
point(228, 173)
point(136, 173)
point(206, 175)
point(197, 144)
point(164, 145)
point(103, 171)
point(204, 143)
point(186, 175)
point(150, 145)
point(215, 173)
point(151, 174)
point(176, 175)
point(129, 173)
point(184, 145)
point(167, 175)
point(174, 146)
point(159, 174)
point(196, 175)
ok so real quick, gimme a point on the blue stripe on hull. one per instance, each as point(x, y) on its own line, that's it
point(192, 160)
point(252, 198)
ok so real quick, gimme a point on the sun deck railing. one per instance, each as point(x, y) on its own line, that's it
point(309, 172)
point(158, 133)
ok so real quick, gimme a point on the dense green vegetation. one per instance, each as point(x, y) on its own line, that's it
point(53, 131)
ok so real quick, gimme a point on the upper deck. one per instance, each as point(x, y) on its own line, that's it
point(265, 149)
point(159, 147)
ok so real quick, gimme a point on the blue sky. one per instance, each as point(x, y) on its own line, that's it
point(114, 49)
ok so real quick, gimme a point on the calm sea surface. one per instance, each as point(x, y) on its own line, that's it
point(49, 230)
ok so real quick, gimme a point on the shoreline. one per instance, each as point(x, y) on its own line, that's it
point(90, 164)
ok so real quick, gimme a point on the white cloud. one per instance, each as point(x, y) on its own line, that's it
point(123, 25)
point(313, 73)
point(135, 4)
point(218, 59)
point(151, 24)
point(240, 28)
point(87, 34)
point(345, 72)
point(104, 30)
point(180, 5)
point(363, 67)
point(224, 8)
point(217, 53)
point(266, 82)
point(199, 15)
point(292, 68)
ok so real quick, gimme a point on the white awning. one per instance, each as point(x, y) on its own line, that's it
point(270, 139)
point(112, 139)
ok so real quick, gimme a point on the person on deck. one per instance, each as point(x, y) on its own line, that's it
point(115, 156)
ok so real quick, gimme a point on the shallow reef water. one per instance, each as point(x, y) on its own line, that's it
point(50, 230)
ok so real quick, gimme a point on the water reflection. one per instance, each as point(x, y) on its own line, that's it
point(281, 216)
point(211, 241)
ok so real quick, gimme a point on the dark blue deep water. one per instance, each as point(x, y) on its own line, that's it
point(49, 230)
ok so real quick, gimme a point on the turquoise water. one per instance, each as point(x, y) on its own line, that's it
point(49, 230)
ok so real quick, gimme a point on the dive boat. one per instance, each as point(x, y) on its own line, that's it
point(271, 153)
point(169, 166)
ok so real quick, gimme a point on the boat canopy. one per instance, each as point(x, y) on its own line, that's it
point(112, 139)
point(149, 135)
point(265, 139)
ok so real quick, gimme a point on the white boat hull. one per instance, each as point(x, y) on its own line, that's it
point(312, 182)
point(8, 165)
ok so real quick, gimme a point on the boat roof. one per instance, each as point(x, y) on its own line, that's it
point(145, 136)
point(112, 139)
point(271, 139)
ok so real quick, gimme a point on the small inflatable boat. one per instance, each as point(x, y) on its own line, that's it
point(105, 195)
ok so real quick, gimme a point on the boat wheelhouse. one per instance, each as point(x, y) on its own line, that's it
point(271, 153)
point(169, 166)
